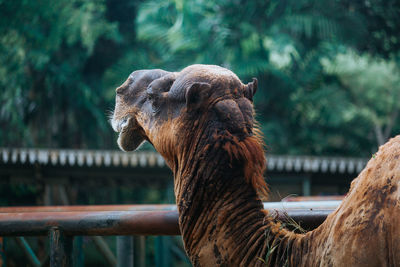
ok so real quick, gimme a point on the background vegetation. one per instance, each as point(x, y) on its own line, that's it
point(328, 70)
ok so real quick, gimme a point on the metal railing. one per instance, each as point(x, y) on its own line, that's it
point(62, 223)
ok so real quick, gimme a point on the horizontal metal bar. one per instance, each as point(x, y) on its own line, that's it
point(124, 222)
point(91, 223)
point(164, 207)
point(312, 198)
point(25, 209)
point(302, 205)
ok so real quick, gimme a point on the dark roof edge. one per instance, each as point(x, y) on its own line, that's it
point(115, 158)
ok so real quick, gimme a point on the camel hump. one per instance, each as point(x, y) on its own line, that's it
point(385, 164)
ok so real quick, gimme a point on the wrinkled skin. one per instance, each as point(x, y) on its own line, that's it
point(201, 121)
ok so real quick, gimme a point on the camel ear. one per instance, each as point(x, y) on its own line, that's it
point(251, 89)
point(196, 95)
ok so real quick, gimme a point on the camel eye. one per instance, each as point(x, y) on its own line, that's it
point(120, 90)
point(150, 97)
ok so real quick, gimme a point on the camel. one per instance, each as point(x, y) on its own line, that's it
point(201, 120)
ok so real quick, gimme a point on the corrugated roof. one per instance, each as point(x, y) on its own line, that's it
point(115, 158)
point(315, 164)
point(75, 157)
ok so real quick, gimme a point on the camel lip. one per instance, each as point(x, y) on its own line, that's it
point(120, 125)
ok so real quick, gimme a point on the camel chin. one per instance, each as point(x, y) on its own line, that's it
point(129, 138)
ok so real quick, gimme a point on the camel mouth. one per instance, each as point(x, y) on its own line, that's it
point(120, 125)
point(123, 125)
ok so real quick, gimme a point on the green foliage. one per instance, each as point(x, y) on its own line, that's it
point(327, 70)
point(373, 85)
point(44, 46)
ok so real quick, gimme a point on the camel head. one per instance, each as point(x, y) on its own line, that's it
point(168, 108)
point(134, 108)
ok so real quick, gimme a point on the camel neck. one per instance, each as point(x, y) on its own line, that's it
point(221, 218)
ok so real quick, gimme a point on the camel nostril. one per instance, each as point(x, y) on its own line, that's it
point(124, 124)
point(121, 124)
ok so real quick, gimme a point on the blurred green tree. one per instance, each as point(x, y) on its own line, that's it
point(46, 98)
point(60, 63)
point(280, 43)
point(373, 85)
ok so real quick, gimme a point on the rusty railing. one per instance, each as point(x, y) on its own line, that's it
point(62, 223)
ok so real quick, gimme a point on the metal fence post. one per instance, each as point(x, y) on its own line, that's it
point(60, 248)
point(139, 251)
point(3, 261)
point(163, 257)
point(124, 251)
point(78, 255)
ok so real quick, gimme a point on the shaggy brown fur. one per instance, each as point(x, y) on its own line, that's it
point(201, 120)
